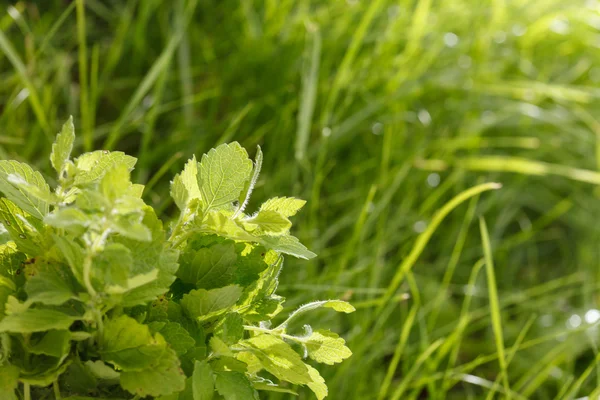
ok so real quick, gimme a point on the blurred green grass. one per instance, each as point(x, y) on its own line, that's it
point(378, 113)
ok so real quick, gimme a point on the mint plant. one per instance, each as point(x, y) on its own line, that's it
point(98, 300)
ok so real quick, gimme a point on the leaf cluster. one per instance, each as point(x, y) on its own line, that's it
point(99, 300)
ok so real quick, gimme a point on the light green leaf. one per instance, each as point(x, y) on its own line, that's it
point(219, 347)
point(130, 345)
point(211, 267)
point(116, 182)
point(36, 320)
point(268, 222)
point(203, 387)
point(70, 218)
point(326, 347)
point(102, 371)
point(129, 227)
point(49, 287)
point(222, 175)
point(277, 357)
point(9, 380)
point(22, 227)
point(235, 386)
point(20, 172)
point(185, 185)
point(62, 147)
point(221, 224)
point(286, 206)
point(231, 329)
point(339, 305)
point(73, 254)
point(53, 343)
point(92, 166)
point(270, 387)
point(204, 304)
point(179, 338)
point(250, 183)
point(317, 385)
point(287, 245)
point(162, 377)
point(148, 256)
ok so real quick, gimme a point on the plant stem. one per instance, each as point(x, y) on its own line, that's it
point(27, 391)
point(87, 270)
point(56, 388)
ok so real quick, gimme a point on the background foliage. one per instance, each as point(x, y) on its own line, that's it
point(377, 113)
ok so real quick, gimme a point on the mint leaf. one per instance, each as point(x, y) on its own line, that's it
point(53, 343)
point(277, 357)
point(62, 147)
point(317, 385)
point(36, 320)
point(231, 330)
point(326, 347)
point(250, 183)
point(14, 171)
point(211, 267)
point(287, 245)
point(185, 185)
point(234, 386)
point(162, 377)
point(268, 222)
point(339, 305)
point(9, 380)
point(129, 345)
point(204, 304)
point(23, 229)
point(91, 167)
point(286, 206)
point(49, 287)
point(222, 174)
point(179, 338)
point(203, 387)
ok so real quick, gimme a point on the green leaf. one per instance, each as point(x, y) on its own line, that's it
point(211, 267)
point(326, 347)
point(222, 175)
point(204, 304)
point(116, 182)
point(277, 357)
point(234, 386)
point(317, 385)
point(23, 228)
point(70, 218)
point(203, 387)
point(130, 345)
point(271, 387)
point(27, 181)
point(179, 338)
point(9, 380)
point(287, 245)
point(73, 255)
point(102, 371)
point(286, 206)
point(148, 256)
point(78, 379)
point(36, 320)
point(185, 185)
point(339, 305)
point(162, 377)
point(231, 329)
point(52, 283)
point(268, 222)
point(62, 147)
point(219, 347)
point(91, 167)
point(112, 266)
point(250, 183)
